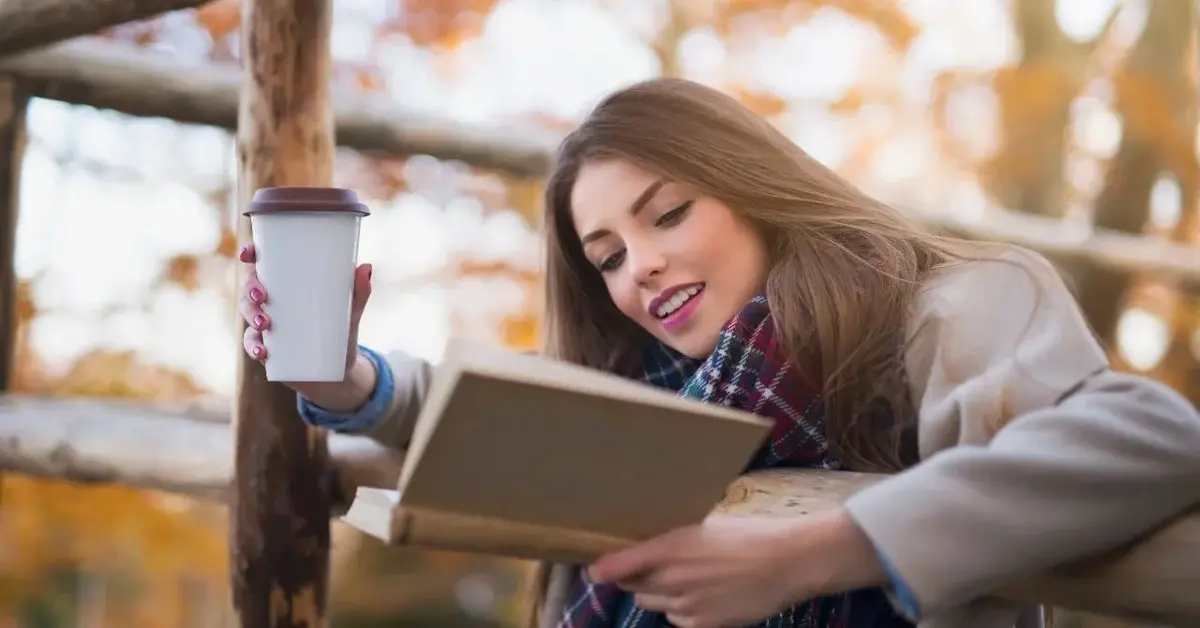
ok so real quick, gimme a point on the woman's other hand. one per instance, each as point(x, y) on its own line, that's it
point(736, 570)
point(345, 396)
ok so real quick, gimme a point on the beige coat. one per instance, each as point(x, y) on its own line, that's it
point(1033, 452)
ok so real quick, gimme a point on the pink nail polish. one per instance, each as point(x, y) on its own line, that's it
point(259, 320)
point(256, 295)
point(256, 352)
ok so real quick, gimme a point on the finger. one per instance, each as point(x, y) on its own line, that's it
point(260, 322)
point(683, 620)
point(662, 581)
point(362, 289)
point(627, 564)
point(248, 309)
point(253, 345)
point(655, 602)
point(254, 289)
point(248, 255)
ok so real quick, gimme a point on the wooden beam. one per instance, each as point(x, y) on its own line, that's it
point(281, 504)
point(142, 83)
point(136, 82)
point(1153, 579)
point(27, 24)
point(181, 449)
point(188, 450)
point(1158, 257)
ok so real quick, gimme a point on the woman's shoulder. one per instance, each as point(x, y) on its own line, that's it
point(1005, 275)
point(1007, 315)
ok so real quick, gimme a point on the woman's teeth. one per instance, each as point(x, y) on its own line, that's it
point(677, 301)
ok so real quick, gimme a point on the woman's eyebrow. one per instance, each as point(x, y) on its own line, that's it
point(638, 204)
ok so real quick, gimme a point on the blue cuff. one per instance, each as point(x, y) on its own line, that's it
point(901, 595)
point(365, 417)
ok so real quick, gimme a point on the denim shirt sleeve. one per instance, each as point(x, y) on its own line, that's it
point(365, 417)
point(901, 595)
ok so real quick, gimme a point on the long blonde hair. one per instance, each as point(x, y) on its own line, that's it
point(845, 268)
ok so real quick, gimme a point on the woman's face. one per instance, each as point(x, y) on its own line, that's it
point(676, 263)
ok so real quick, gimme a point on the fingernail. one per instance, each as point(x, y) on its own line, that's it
point(370, 269)
point(242, 251)
point(256, 352)
point(256, 295)
point(259, 320)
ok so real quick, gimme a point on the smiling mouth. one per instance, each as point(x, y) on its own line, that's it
point(672, 305)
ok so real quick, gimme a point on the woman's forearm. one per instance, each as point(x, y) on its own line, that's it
point(845, 557)
point(347, 395)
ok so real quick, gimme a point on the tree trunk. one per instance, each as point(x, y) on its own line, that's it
point(13, 104)
point(27, 24)
point(1035, 98)
point(1154, 100)
point(1181, 365)
point(282, 499)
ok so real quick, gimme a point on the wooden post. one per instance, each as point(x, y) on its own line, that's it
point(14, 103)
point(281, 506)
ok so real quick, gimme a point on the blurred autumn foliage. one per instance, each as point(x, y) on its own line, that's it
point(55, 535)
point(1071, 128)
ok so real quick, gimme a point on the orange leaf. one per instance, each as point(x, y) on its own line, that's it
point(219, 17)
point(183, 270)
point(228, 246)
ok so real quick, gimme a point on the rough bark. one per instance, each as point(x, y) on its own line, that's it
point(13, 105)
point(28, 24)
point(1154, 98)
point(182, 449)
point(282, 500)
point(141, 83)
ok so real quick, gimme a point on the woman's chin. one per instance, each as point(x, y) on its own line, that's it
point(693, 345)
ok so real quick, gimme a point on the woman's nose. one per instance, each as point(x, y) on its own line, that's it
point(645, 263)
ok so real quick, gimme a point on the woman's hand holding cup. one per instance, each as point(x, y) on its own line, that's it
point(344, 396)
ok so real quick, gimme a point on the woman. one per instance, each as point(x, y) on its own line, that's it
point(692, 245)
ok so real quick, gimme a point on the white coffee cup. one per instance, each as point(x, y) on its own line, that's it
point(306, 243)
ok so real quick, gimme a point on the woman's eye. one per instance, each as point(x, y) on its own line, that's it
point(674, 216)
point(611, 262)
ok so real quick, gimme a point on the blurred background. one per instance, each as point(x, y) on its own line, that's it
point(1034, 121)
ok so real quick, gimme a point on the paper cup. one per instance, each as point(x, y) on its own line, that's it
point(306, 240)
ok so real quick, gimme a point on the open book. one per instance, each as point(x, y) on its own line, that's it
point(522, 456)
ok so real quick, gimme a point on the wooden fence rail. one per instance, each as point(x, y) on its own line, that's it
point(189, 450)
point(136, 82)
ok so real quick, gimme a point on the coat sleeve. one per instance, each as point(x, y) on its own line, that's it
point(391, 411)
point(1035, 453)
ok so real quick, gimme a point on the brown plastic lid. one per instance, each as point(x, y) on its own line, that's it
point(305, 199)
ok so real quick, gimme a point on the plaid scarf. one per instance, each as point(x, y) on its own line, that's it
point(747, 370)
